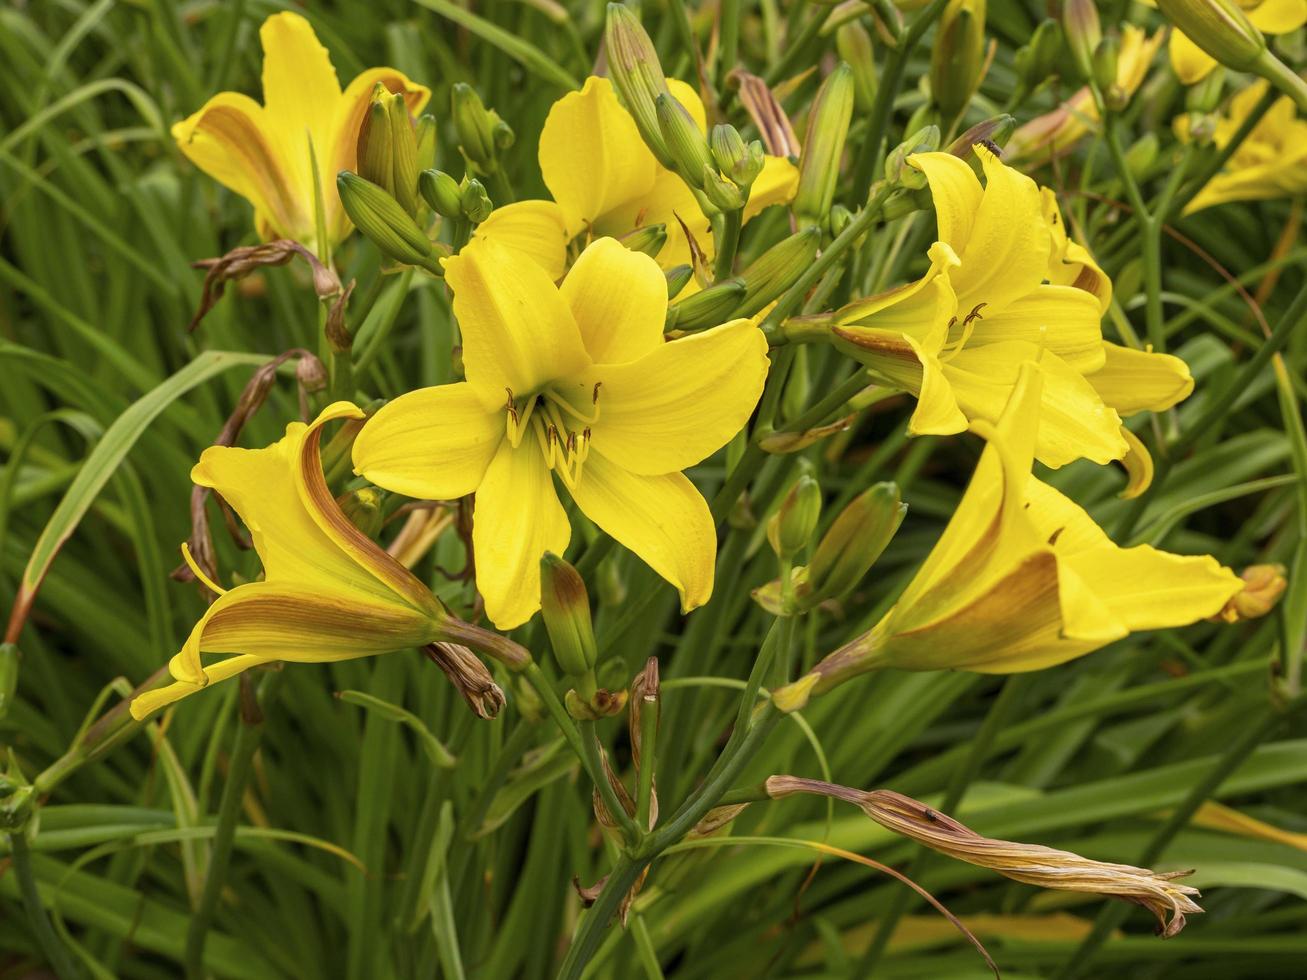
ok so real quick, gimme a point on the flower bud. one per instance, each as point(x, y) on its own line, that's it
point(565, 607)
point(1262, 589)
point(993, 133)
point(897, 171)
point(387, 225)
point(637, 75)
point(958, 56)
point(650, 240)
point(363, 507)
point(1205, 95)
point(1038, 58)
point(793, 524)
point(823, 145)
point(1105, 62)
point(1141, 155)
point(706, 308)
point(719, 191)
point(404, 153)
point(503, 135)
point(475, 127)
point(374, 144)
point(855, 49)
point(738, 160)
point(685, 144)
point(311, 373)
point(1081, 28)
point(1219, 27)
point(441, 192)
point(426, 141)
point(777, 269)
point(840, 218)
point(854, 542)
point(476, 202)
point(678, 277)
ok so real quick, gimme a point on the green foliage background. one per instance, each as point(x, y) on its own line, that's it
point(358, 856)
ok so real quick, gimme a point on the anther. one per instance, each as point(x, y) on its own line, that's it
point(975, 313)
point(594, 395)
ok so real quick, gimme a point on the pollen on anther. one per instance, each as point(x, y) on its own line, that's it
point(594, 395)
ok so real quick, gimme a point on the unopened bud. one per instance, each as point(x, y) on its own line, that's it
point(475, 127)
point(1205, 96)
point(637, 75)
point(685, 143)
point(720, 192)
point(1141, 155)
point(476, 202)
point(854, 542)
point(792, 525)
point(1038, 58)
point(603, 703)
point(1263, 585)
point(311, 373)
point(958, 56)
point(387, 225)
point(897, 171)
point(404, 153)
point(1105, 60)
point(1081, 28)
point(854, 45)
point(678, 277)
point(650, 240)
point(374, 145)
point(777, 269)
point(707, 308)
point(740, 161)
point(1202, 127)
point(441, 192)
point(503, 135)
point(1219, 27)
point(426, 141)
point(905, 202)
point(565, 606)
point(993, 134)
point(823, 145)
point(363, 507)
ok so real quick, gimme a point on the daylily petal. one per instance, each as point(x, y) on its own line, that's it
point(1071, 264)
point(1062, 319)
point(682, 401)
point(619, 301)
point(668, 202)
point(537, 230)
point(956, 193)
point(431, 444)
point(230, 140)
point(591, 155)
point(1007, 252)
point(518, 333)
point(663, 519)
point(775, 184)
point(1150, 589)
point(920, 309)
point(1279, 16)
point(1138, 463)
point(300, 88)
point(1132, 381)
point(903, 361)
point(1075, 423)
point(1191, 63)
point(516, 519)
point(144, 705)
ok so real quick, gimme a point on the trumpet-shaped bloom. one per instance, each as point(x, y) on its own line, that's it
point(1023, 578)
point(1192, 64)
point(266, 153)
point(606, 182)
point(574, 383)
point(1271, 162)
point(1057, 132)
point(328, 592)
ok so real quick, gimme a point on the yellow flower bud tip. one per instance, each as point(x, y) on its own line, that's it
point(637, 75)
point(650, 240)
point(793, 697)
point(706, 308)
point(796, 520)
point(381, 219)
point(1219, 27)
point(441, 192)
point(474, 125)
point(1263, 587)
point(823, 145)
point(1081, 27)
point(565, 607)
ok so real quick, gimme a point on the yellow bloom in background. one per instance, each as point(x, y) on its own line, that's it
point(328, 592)
point(262, 152)
point(574, 382)
point(1022, 577)
point(605, 182)
point(1271, 162)
point(1192, 64)
point(1057, 132)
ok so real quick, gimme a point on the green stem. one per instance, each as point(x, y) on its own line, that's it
point(594, 753)
point(61, 960)
point(729, 51)
point(247, 741)
point(726, 247)
point(595, 923)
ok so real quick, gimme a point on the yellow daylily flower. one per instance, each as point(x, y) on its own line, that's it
point(1022, 577)
point(262, 152)
point(575, 382)
point(1057, 132)
point(1192, 64)
point(1271, 162)
point(328, 592)
point(605, 181)
point(962, 358)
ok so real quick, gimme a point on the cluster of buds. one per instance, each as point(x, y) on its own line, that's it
point(465, 201)
point(482, 134)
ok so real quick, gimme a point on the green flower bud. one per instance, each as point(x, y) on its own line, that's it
point(897, 171)
point(1037, 60)
point(441, 192)
point(387, 225)
point(1104, 62)
point(686, 145)
point(374, 151)
point(792, 525)
point(1141, 156)
point(1219, 27)
point(476, 202)
point(565, 607)
point(1082, 31)
point(650, 240)
point(404, 156)
point(426, 141)
point(823, 145)
point(503, 135)
point(9, 658)
point(678, 277)
point(738, 160)
point(1205, 96)
point(363, 507)
point(720, 192)
point(840, 218)
point(856, 50)
point(637, 75)
point(853, 543)
point(958, 56)
point(777, 269)
point(475, 126)
point(707, 308)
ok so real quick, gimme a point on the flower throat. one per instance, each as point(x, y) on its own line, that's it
point(557, 425)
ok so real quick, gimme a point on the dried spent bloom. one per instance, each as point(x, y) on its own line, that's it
point(1031, 864)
